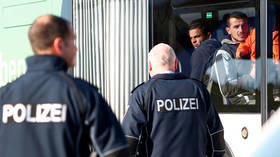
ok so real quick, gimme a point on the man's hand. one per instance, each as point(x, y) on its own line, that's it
point(238, 54)
point(253, 71)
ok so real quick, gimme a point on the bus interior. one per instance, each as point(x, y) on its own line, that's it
point(171, 26)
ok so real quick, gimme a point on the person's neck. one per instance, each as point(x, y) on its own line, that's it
point(153, 73)
point(235, 41)
point(44, 52)
point(167, 72)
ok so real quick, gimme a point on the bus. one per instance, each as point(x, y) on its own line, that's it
point(242, 122)
point(114, 38)
point(15, 20)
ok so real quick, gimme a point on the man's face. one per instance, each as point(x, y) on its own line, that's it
point(238, 29)
point(196, 37)
point(69, 49)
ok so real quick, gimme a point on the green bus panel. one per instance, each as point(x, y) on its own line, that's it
point(16, 16)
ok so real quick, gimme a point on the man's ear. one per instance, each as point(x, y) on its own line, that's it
point(228, 30)
point(57, 46)
point(209, 35)
point(176, 64)
point(150, 66)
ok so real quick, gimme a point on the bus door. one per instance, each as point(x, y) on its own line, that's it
point(169, 23)
point(272, 58)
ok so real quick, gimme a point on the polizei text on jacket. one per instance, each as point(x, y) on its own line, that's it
point(34, 113)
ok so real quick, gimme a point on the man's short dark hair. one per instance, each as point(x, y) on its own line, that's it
point(200, 24)
point(237, 15)
point(42, 34)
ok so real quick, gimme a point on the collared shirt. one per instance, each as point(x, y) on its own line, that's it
point(167, 72)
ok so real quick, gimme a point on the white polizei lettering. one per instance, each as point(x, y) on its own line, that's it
point(28, 114)
point(160, 103)
point(20, 113)
point(38, 113)
point(56, 113)
point(166, 105)
point(7, 112)
point(196, 103)
point(175, 105)
point(192, 103)
point(43, 113)
point(45, 110)
point(63, 114)
point(181, 104)
point(185, 103)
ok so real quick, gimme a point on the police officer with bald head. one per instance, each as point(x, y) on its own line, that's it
point(171, 115)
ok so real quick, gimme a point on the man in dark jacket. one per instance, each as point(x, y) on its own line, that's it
point(47, 112)
point(205, 48)
point(175, 113)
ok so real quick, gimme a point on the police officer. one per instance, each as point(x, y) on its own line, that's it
point(47, 112)
point(171, 115)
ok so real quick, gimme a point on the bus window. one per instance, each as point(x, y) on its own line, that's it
point(235, 78)
point(170, 24)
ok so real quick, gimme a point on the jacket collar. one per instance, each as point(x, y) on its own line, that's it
point(227, 40)
point(173, 76)
point(46, 63)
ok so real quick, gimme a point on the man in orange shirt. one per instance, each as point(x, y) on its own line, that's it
point(249, 46)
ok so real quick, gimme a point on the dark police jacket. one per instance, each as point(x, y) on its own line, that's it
point(48, 113)
point(201, 59)
point(179, 118)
